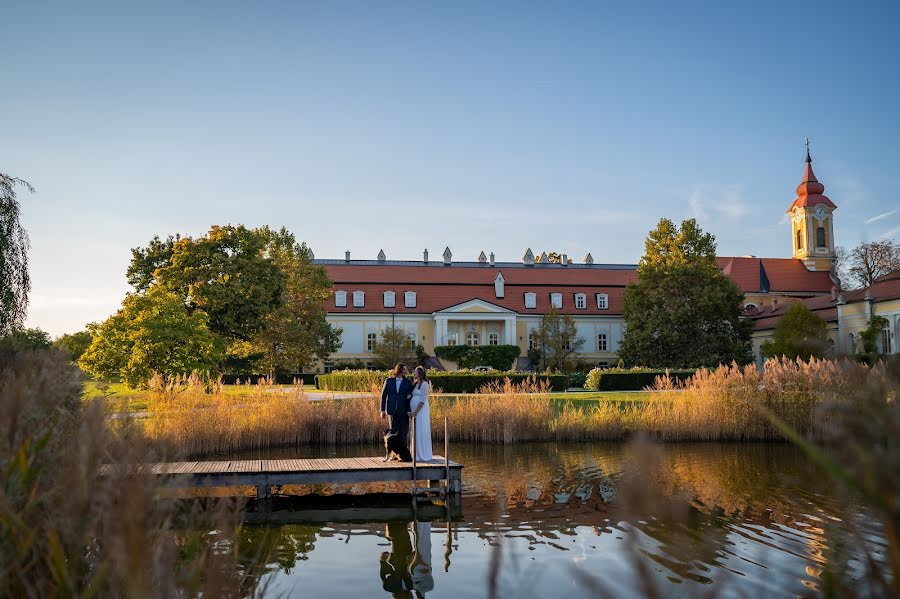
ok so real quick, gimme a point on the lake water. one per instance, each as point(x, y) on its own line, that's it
point(573, 520)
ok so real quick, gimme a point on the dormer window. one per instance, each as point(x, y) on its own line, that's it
point(340, 299)
point(409, 299)
point(580, 301)
point(556, 300)
point(389, 299)
point(531, 300)
point(359, 299)
point(602, 301)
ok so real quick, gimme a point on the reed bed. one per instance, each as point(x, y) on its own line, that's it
point(730, 403)
point(65, 531)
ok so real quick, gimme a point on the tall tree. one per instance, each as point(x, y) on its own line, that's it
point(225, 273)
point(860, 266)
point(152, 333)
point(558, 339)
point(14, 281)
point(799, 333)
point(25, 340)
point(682, 311)
point(296, 334)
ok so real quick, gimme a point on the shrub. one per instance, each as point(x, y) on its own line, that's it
point(633, 379)
point(351, 380)
point(499, 357)
point(577, 379)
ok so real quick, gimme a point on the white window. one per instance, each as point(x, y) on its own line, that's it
point(567, 345)
point(340, 299)
point(493, 339)
point(472, 339)
point(602, 301)
point(389, 300)
point(580, 301)
point(409, 299)
point(533, 342)
point(602, 343)
point(886, 341)
point(412, 338)
point(451, 339)
point(359, 299)
point(371, 339)
point(556, 300)
point(531, 300)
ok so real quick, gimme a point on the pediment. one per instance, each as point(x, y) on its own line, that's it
point(475, 306)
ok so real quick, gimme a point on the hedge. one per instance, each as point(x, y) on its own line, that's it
point(447, 382)
point(635, 379)
point(307, 378)
point(499, 357)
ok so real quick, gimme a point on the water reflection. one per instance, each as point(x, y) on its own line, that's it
point(737, 519)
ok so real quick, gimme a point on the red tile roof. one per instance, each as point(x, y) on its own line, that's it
point(810, 192)
point(823, 306)
point(438, 287)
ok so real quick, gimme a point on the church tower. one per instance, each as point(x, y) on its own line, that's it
point(812, 224)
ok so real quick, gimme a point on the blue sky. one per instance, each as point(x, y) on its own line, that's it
point(408, 125)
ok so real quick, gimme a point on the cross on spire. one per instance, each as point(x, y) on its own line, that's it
point(808, 159)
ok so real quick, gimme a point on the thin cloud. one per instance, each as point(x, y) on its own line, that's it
point(881, 216)
point(890, 233)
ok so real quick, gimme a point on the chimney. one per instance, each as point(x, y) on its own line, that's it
point(565, 259)
point(492, 259)
point(425, 256)
point(448, 256)
point(347, 256)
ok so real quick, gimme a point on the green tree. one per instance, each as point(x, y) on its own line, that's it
point(296, 334)
point(74, 344)
point(226, 273)
point(558, 339)
point(14, 281)
point(682, 311)
point(152, 333)
point(799, 333)
point(25, 340)
point(870, 337)
point(393, 346)
point(147, 260)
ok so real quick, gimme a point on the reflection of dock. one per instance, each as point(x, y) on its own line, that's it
point(354, 509)
point(263, 474)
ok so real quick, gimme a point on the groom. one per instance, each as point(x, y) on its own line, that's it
point(395, 396)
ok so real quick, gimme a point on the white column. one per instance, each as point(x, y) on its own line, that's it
point(509, 330)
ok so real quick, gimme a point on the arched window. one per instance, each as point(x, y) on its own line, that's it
point(886, 340)
point(820, 237)
point(533, 341)
point(799, 240)
point(340, 299)
point(472, 339)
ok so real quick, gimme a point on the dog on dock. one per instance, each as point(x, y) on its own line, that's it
point(394, 448)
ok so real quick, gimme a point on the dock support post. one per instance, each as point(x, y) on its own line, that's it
point(447, 453)
point(263, 491)
point(412, 428)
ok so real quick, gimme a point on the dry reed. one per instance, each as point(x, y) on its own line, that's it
point(725, 404)
point(65, 531)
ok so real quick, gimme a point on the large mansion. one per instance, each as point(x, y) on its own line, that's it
point(442, 301)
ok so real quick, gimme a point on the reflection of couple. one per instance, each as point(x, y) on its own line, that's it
point(406, 570)
point(404, 400)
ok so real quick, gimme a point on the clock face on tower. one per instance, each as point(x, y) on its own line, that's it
point(820, 212)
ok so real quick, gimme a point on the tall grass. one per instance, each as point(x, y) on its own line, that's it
point(64, 531)
point(726, 404)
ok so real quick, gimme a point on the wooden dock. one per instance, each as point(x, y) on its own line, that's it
point(264, 474)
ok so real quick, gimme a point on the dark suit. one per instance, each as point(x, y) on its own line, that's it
point(394, 568)
point(396, 403)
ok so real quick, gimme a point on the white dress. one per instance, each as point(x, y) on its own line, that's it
point(423, 422)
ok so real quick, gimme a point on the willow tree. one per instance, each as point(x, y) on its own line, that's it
point(14, 281)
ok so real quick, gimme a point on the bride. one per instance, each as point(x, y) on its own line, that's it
point(419, 407)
